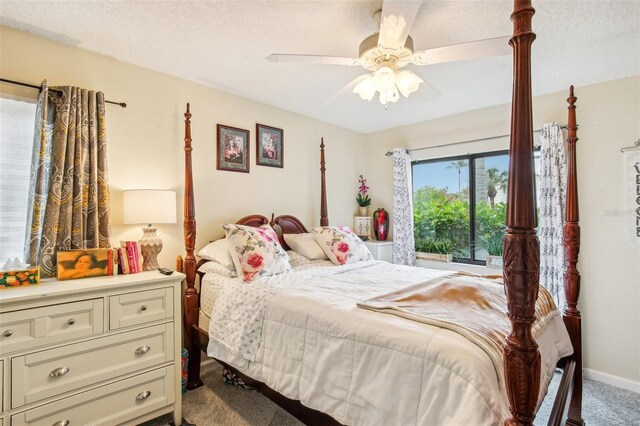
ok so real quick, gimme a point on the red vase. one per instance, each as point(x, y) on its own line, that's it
point(381, 224)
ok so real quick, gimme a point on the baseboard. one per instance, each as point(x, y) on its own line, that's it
point(612, 380)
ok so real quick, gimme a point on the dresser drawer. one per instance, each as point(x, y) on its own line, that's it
point(126, 310)
point(30, 328)
point(51, 372)
point(111, 405)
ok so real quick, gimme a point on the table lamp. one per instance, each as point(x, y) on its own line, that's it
point(149, 206)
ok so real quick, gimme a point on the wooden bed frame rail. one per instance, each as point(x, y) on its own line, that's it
point(521, 255)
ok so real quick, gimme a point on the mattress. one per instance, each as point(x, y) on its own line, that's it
point(363, 367)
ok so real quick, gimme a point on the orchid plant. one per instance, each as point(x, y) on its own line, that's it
point(362, 198)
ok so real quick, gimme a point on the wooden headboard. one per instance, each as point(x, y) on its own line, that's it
point(284, 224)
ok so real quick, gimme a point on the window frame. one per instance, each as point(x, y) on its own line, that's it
point(471, 157)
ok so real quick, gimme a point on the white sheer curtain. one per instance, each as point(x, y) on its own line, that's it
point(404, 250)
point(552, 193)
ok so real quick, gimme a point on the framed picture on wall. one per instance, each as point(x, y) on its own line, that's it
point(269, 146)
point(233, 149)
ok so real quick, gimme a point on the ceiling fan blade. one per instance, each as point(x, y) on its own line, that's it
point(313, 59)
point(396, 21)
point(346, 90)
point(460, 52)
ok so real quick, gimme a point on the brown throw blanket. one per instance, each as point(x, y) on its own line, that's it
point(471, 305)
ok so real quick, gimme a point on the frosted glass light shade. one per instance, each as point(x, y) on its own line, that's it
point(365, 88)
point(384, 79)
point(407, 82)
point(149, 206)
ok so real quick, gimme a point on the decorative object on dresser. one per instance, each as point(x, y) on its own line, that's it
point(233, 149)
point(381, 224)
point(14, 273)
point(149, 206)
point(92, 351)
point(74, 264)
point(269, 146)
point(363, 199)
point(362, 227)
point(381, 250)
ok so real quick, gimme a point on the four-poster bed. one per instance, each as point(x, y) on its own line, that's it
point(522, 359)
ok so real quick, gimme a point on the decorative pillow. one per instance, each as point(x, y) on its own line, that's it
point(256, 251)
point(216, 268)
point(306, 245)
point(296, 260)
point(218, 251)
point(341, 245)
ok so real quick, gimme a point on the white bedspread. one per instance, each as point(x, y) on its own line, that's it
point(309, 341)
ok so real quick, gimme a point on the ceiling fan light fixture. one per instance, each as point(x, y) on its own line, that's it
point(384, 79)
point(407, 82)
point(390, 95)
point(366, 88)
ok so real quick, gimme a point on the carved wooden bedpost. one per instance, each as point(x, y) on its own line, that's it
point(571, 313)
point(521, 246)
point(324, 218)
point(190, 300)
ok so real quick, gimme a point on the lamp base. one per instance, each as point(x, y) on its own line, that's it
point(150, 246)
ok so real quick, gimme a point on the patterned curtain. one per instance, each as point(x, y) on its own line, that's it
point(553, 187)
point(404, 250)
point(69, 193)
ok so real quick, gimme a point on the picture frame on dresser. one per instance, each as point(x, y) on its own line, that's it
point(269, 146)
point(233, 151)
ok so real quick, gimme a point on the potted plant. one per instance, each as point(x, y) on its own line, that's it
point(494, 245)
point(363, 199)
point(437, 249)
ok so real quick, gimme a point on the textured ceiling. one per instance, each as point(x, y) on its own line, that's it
point(223, 44)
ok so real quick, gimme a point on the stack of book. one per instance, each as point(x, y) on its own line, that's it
point(129, 257)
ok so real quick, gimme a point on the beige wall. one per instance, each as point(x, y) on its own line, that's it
point(609, 118)
point(145, 142)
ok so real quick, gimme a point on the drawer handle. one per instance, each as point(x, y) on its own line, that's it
point(60, 371)
point(143, 395)
point(8, 333)
point(61, 423)
point(71, 321)
point(143, 307)
point(142, 350)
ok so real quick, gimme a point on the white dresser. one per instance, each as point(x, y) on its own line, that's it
point(96, 351)
point(381, 250)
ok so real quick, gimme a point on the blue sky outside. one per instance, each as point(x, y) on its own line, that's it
point(440, 175)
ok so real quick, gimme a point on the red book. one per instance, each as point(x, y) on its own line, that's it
point(130, 257)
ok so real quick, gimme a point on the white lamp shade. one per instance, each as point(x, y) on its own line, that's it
point(149, 206)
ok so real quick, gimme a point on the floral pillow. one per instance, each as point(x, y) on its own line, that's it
point(341, 245)
point(256, 252)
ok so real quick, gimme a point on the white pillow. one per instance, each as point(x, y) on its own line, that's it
point(306, 245)
point(256, 252)
point(341, 245)
point(218, 251)
point(216, 268)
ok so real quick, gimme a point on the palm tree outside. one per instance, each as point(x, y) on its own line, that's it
point(496, 179)
point(458, 165)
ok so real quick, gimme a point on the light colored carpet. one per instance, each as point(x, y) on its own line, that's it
point(217, 403)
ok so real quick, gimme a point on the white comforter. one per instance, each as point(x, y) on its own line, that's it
point(309, 341)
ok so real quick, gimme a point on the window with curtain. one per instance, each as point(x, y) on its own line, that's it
point(460, 203)
point(16, 142)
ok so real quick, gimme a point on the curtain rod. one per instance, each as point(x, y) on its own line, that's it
point(636, 144)
point(33, 86)
point(390, 153)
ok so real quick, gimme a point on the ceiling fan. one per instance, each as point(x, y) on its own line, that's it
point(388, 51)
